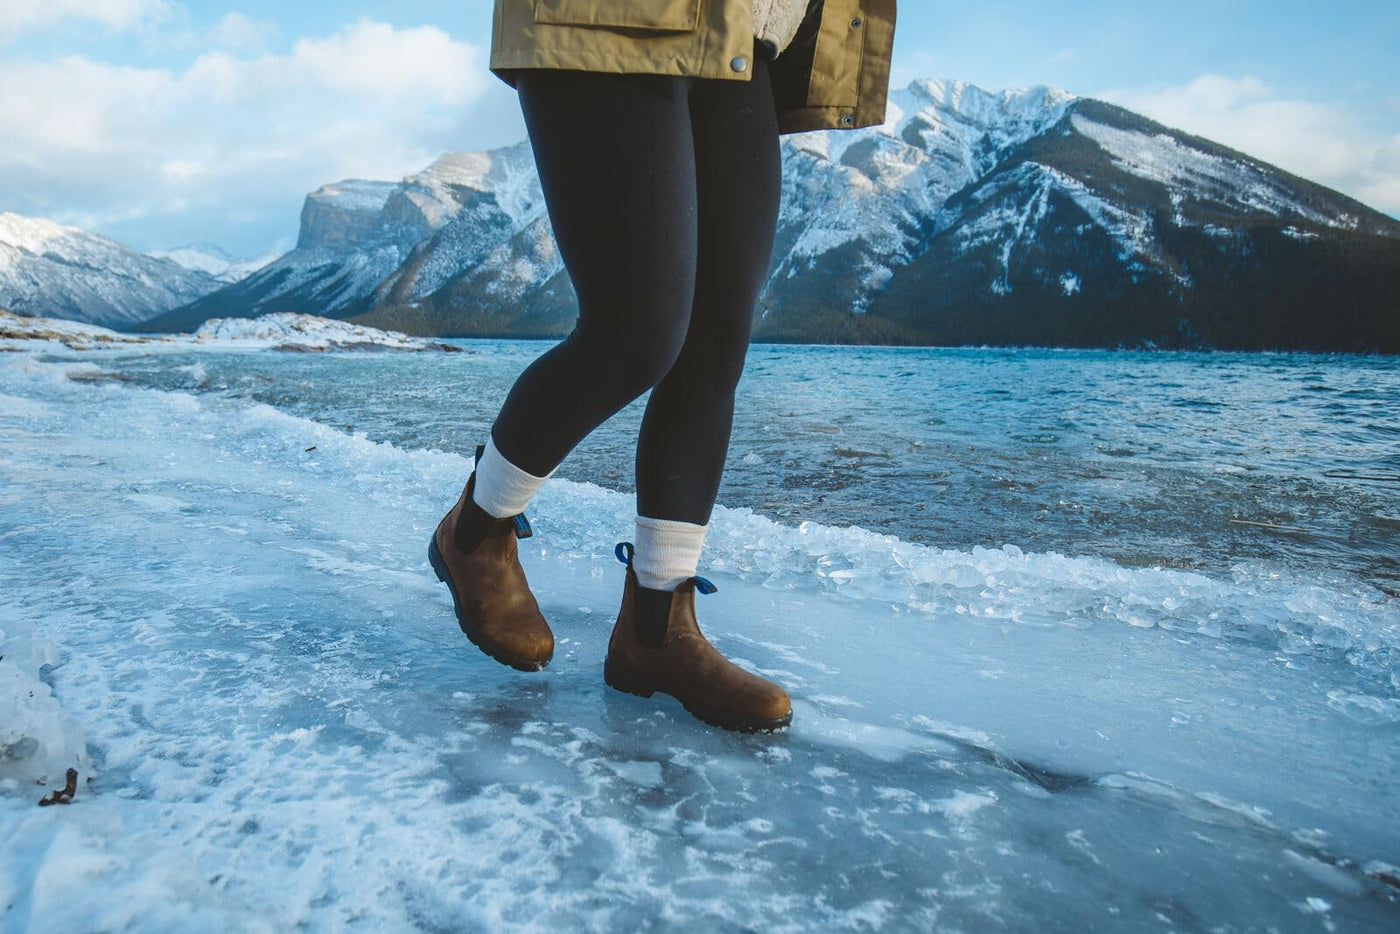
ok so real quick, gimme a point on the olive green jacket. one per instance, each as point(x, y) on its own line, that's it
point(834, 75)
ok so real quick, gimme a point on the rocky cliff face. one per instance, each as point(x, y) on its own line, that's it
point(364, 242)
point(344, 215)
point(344, 248)
point(1013, 217)
point(62, 272)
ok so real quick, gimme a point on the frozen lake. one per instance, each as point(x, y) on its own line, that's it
point(1076, 641)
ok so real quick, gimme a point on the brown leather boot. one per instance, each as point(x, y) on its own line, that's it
point(657, 645)
point(492, 599)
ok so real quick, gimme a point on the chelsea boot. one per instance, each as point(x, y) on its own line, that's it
point(490, 595)
point(657, 645)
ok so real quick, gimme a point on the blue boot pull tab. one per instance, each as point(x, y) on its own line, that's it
point(522, 526)
point(619, 549)
point(702, 585)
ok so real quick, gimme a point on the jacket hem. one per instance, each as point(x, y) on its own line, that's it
point(802, 119)
point(587, 60)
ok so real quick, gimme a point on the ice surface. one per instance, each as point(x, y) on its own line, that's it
point(38, 741)
point(288, 729)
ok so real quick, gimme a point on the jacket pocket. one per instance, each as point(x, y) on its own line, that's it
point(674, 15)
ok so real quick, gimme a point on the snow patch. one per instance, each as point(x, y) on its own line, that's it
point(1203, 175)
point(17, 330)
point(280, 331)
point(213, 261)
point(291, 331)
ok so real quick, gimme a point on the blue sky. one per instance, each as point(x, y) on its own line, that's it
point(161, 122)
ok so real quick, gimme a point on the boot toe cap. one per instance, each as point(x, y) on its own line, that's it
point(770, 702)
point(530, 646)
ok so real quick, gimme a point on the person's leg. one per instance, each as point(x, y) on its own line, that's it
point(656, 643)
point(617, 167)
point(685, 430)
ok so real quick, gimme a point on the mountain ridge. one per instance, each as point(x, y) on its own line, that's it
point(48, 269)
point(1021, 216)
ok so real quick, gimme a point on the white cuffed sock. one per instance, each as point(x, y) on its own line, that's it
point(503, 489)
point(668, 552)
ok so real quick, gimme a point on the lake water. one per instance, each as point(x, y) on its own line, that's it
point(1188, 460)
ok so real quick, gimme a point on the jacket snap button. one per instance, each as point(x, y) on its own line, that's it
point(855, 23)
point(847, 120)
point(738, 63)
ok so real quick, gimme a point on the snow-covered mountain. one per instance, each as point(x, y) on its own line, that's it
point(854, 206)
point(358, 236)
point(214, 261)
point(1111, 229)
point(859, 205)
point(46, 269)
point(1027, 216)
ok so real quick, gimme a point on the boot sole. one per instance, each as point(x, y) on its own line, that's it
point(487, 647)
point(630, 682)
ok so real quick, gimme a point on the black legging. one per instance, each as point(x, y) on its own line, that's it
point(663, 194)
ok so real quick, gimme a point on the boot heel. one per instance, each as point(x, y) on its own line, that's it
point(435, 559)
point(620, 679)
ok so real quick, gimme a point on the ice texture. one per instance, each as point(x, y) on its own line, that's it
point(39, 742)
point(287, 728)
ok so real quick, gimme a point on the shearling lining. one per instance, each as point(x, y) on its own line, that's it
point(776, 21)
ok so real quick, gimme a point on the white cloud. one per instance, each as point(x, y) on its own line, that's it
point(239, 33)
point(73, 104)
point(232, 130)
point(1326, 143)
point(19, 15)
point(374, 60)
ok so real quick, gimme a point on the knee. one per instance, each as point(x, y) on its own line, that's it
point(637, 356)
point(717, 361)
point(651, 356)
point(728, 365)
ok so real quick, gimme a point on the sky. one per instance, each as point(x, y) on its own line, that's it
point(162, 123)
